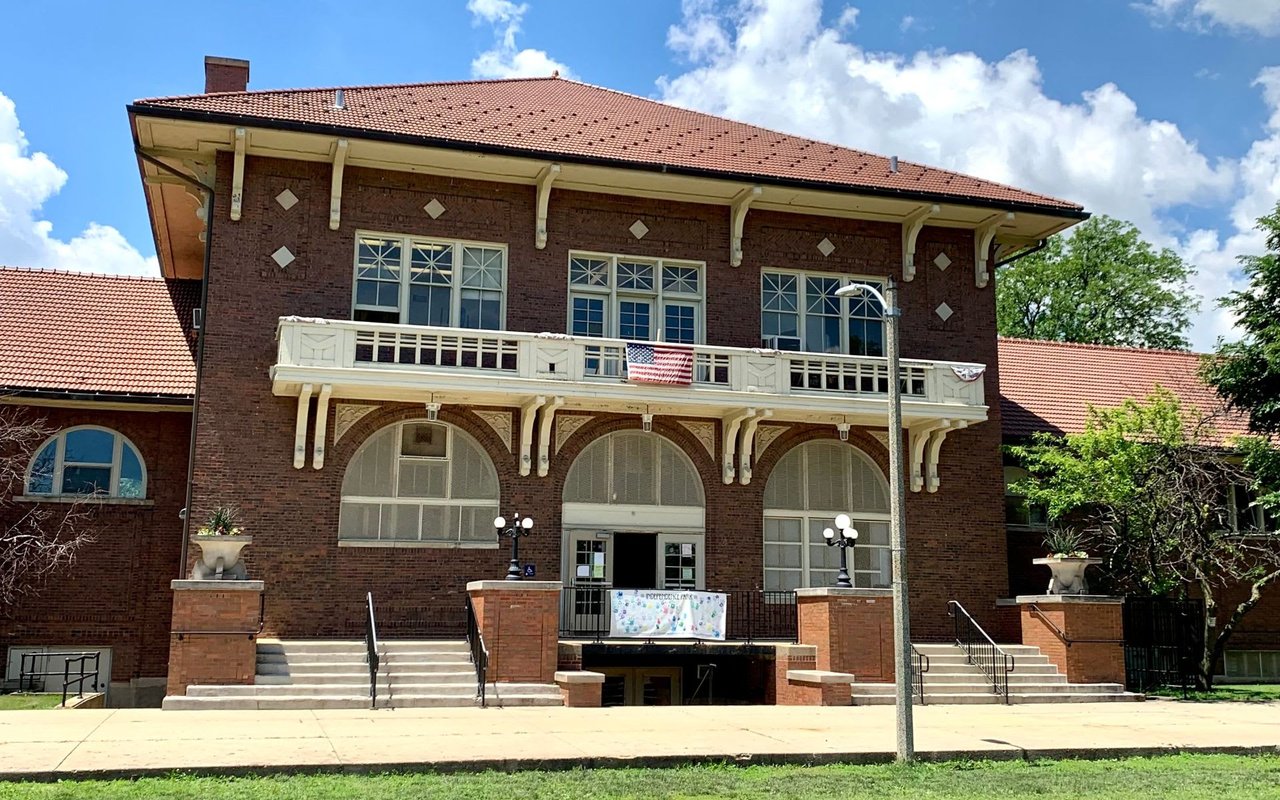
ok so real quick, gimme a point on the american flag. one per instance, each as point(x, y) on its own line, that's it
point(656, 363)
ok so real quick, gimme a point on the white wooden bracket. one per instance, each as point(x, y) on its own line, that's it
point(545, 420)
point(322, 426)
point(748, 446)
point(919, 439)
point(912, 224)
point(935, 450)
point(300, 427)
point(335, 184)
point(545, 178)
point(729, 427)
point(737, 217)
point(237, 173)
point(983, 236)
point(528, 412)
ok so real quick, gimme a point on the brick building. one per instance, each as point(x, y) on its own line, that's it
point(393, 313)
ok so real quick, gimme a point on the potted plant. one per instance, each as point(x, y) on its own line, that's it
point(1067, 560)
point(220, 540)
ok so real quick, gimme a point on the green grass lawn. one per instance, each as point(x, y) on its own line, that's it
point(26, 702)
point(1184, 777)
point(1246, 693)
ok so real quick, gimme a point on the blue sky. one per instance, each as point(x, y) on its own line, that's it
point(1164, 112)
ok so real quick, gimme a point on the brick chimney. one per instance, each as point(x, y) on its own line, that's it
point(225, 74)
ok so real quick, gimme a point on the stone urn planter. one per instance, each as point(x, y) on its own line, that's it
point(1068, 573)
point(220, 557)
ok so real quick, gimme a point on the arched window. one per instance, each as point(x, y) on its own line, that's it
point(807, 489)
point(420, 481)
point(88, 460)
point(633, 468)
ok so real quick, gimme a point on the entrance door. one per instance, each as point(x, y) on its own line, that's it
point(679, 561)
point(635, 561)
point(642, 686)
point(586, 609)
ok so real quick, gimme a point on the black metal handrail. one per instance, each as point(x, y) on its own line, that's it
point(1062, 635)
point(751, 614)
point(980, 649)
point(84, 675)
point(479, 653)
point(371, 644)
point(919, 666)
point(27, 675)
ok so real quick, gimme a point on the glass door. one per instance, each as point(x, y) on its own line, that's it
point(586, 606)
point(680, 561)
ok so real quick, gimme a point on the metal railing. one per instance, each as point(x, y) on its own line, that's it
point(919, 666)
point(371, 644)
point(751, 614)
point(980, 649)
point(479, 653)
point(27, 674)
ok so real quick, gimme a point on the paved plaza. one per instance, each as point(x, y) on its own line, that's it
point(123, 742)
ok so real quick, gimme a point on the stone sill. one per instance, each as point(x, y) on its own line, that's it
point(518, 586)
point(138, 502)
point(184, 584)
point(412, 545)
point(818, 676)
point(835, 591)
point(1049, 599)
point(578, 676)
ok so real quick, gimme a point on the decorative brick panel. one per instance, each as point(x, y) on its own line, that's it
point(520, 622)
point(851, 628)
point(1094, 631)
point(213, 640)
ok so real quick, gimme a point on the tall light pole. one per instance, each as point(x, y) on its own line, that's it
point(897, 522)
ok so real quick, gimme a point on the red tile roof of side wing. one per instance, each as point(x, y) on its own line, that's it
point(77, 333)
point(1048, 386)
point(561, 118)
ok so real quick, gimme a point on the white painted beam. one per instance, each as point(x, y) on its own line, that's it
point(528, 413)
point(340, 149)
point(545, 179)
point(737, 218)
point(912, 224)
point(546, 419)
point(322, 426)
point(237, 173)
point(300, 427)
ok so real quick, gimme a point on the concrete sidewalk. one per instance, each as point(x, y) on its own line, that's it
point(127, 742)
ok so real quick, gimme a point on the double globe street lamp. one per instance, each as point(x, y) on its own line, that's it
point(844, 537)
point(520, 526)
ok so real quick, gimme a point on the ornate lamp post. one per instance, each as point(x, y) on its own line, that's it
point(897, 518)
point(844, 538)
point(520, 526)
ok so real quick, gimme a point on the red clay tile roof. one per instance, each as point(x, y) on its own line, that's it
point(1048, 386)
point(81, 333)
point(565, 119)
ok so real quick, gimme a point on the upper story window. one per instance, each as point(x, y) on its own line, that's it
point(1017, 511)
point(642, 299)
point(1246, 515)
point(88, 461)
point(416, 281)
point(800, 311)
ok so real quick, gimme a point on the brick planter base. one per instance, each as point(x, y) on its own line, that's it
point(1083, 635)
point(213, 637)
point(520, 623)
point(852, 629)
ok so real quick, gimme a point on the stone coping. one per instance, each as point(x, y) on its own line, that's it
point(209, 537)
point(1047, 599)
point(184, 584)
point(578, 676)
point(1086, 560)
point(525, 586)
point(835, 591)
point(818, 676)
point(789, 650)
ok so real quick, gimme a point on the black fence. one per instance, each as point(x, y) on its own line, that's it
point(1163, 642)
point(751, 614)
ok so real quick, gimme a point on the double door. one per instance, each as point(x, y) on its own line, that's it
point(626, 560)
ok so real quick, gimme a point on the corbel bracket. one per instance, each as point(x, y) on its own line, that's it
point(528, 413)
point(340, 149)
point(300, 427)
point(919, 440)
point(545, 178)
point(322, 427)
point(546, 419)
point(983, 236)
point(935, 450)
point(748, 446)
point(738, 216)
point(912, 224)
point(730, 424)
point(241, 142)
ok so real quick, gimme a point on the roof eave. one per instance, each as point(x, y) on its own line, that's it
point(190, 115)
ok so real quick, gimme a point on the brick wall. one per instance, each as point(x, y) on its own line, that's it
point(117, 594)
point(219, 655)
point(521, 631)
point(245, 438)
point(1096, 631)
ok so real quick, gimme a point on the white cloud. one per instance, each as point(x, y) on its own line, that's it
point(776, 64)
point(1256, 16)
point(27, 181)
point(504, 59)
point(908, 22)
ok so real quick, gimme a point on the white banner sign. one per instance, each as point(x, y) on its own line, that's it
point(657, 614)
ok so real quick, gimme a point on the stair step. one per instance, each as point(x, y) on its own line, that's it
point(1011, 649)
point(932, 677)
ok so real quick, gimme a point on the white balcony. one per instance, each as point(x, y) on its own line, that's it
point(743, 386)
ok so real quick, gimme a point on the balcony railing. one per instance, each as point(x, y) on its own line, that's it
point(552, 358)
point(751, 614)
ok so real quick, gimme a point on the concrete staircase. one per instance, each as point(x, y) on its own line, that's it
point(335, 674)
point(952, 680)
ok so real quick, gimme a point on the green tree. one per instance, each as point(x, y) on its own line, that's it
point(1100, 284)
point(1149, 486)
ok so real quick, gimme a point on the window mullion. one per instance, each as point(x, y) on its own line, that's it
point(60, 455)
point(116, 460)
point(406, 260)
point(455, 284)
